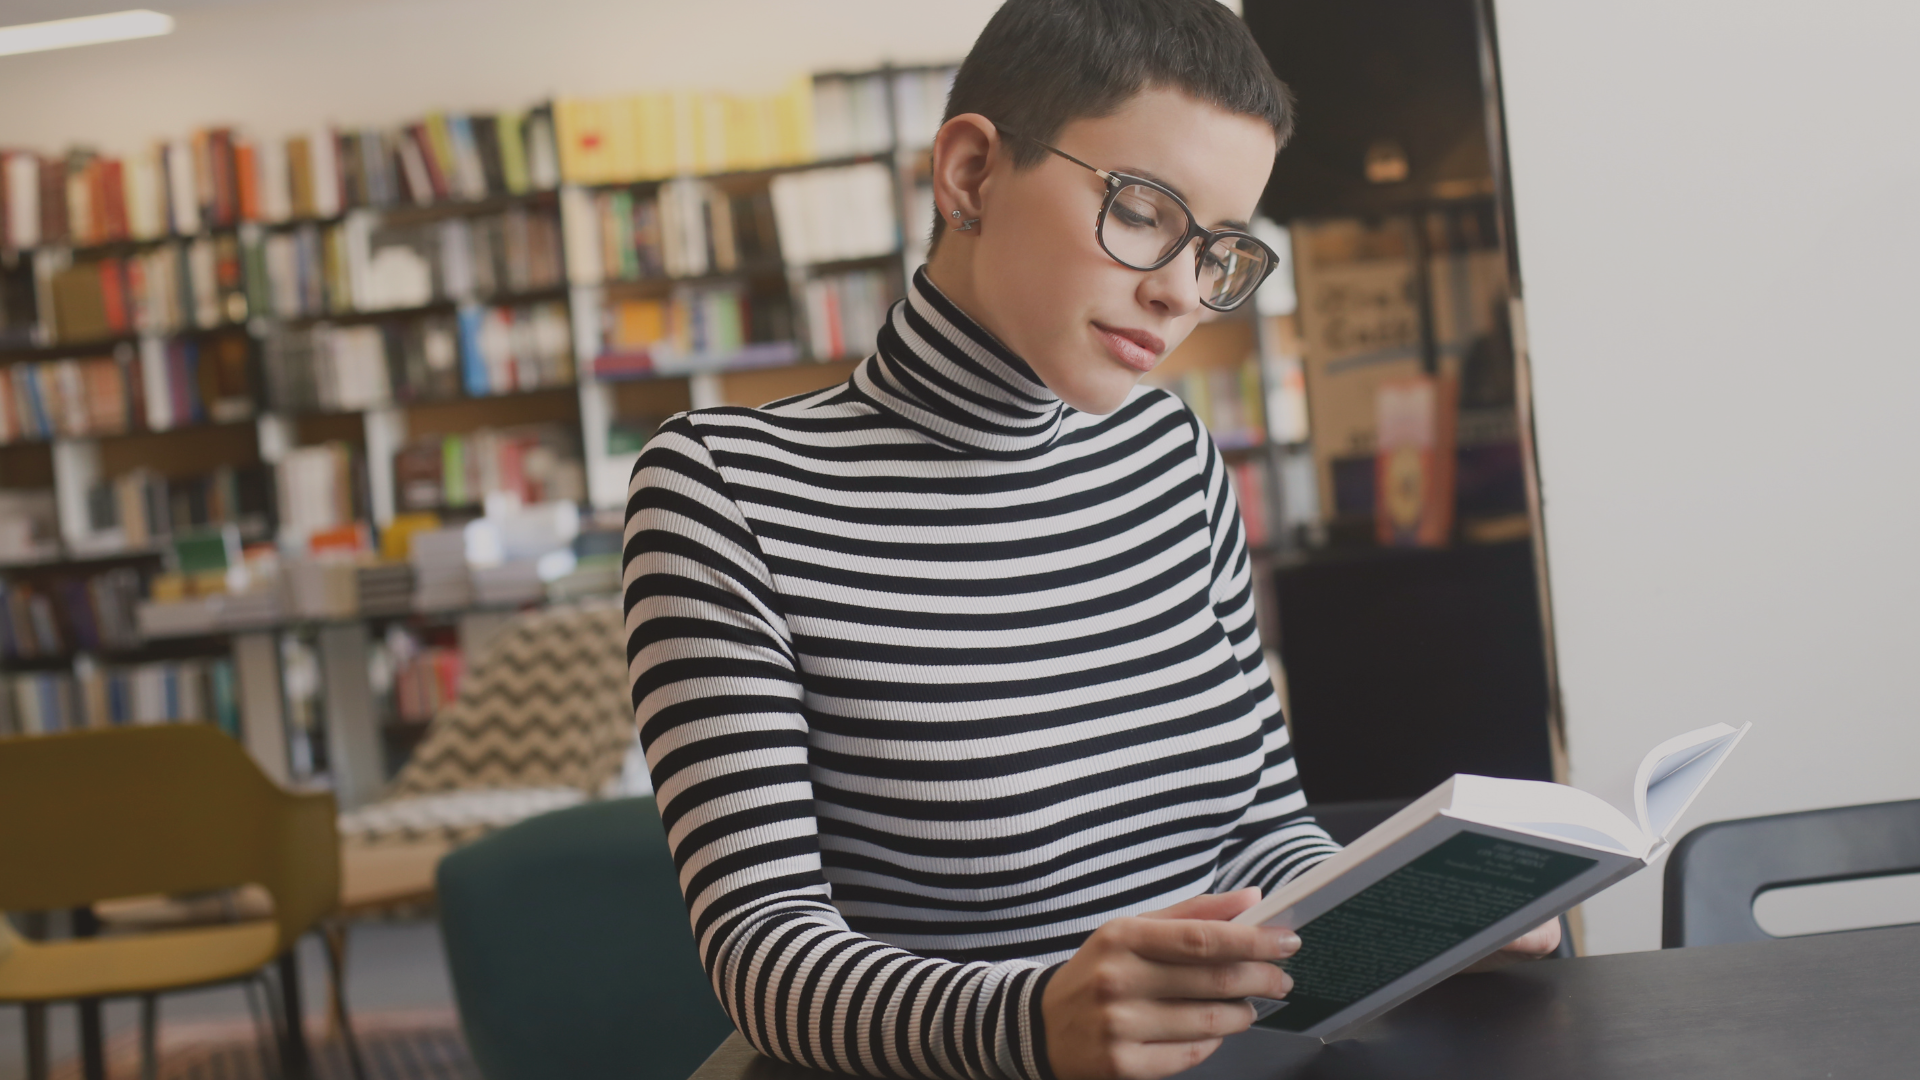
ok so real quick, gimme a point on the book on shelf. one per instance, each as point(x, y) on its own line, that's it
point(652, 136)
point(391, 266)
point(199, 284)
point(1249, 480)
point(147, 508)
point(846, 311)
point(325, 368)
point(50, 616)
point(39, 703)
point(216, 179)
point(1472, 865)
point(426, 674)
point(1227, 401)
point(532, 464)
point(320, 488)
point(523, 347)
point(29, 521)
point(835, 214)
point(1414, 460)
point(19, 303)
point(69, 398)
point(98, 696)
point(851, 115)
point(724, 325)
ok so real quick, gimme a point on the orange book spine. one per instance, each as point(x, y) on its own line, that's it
point(247, 176)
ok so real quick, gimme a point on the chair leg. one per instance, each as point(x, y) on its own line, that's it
point(150, 1037)
point(295, 1062)
point(334, 935)
point(93, 1041)
point(34, 1016)
point(266, 1025)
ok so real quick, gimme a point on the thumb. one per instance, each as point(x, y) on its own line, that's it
point(1216, 906)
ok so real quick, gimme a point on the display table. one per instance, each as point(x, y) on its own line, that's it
point(1832, 1005)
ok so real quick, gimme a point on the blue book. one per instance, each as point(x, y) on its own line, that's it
point(37, 403)
point(473, 363)
point(49, 695)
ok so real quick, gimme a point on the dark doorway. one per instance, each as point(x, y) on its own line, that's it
point(1414, 647)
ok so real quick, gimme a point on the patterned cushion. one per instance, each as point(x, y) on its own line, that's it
point(543, 720)
point(457, 816)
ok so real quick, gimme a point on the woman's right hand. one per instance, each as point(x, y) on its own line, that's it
point(1148, 996)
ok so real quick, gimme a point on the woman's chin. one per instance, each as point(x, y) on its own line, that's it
point(1101, 394)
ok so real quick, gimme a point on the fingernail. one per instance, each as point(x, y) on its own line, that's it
point(1285, 942)
point(1286, 983)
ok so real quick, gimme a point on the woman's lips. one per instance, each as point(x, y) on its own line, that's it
point(1136, 349)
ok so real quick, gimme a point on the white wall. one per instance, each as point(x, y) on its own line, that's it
point(274, 68)
point(1718, 237)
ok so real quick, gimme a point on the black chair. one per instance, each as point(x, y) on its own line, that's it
point(1717, 871)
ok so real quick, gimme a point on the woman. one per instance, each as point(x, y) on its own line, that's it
point(948, 677)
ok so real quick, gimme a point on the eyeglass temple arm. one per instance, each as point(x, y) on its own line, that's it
point(1101, 173)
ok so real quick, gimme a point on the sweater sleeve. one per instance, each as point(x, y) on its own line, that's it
point(718, 698)
point(1277, 837)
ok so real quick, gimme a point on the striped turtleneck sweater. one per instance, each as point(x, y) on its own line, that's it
point(936, 674)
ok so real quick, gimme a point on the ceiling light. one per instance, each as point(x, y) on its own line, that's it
point(86, 30)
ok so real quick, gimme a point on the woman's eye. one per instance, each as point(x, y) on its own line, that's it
point(1130, 216)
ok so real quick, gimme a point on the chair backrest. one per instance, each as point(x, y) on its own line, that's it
point(1716, 871)
point(546, 705)
point(570, 950)
point(178, 808)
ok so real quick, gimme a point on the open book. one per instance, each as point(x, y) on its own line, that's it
point(1474, 864)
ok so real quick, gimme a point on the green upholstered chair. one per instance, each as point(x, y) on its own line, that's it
point(570, 950)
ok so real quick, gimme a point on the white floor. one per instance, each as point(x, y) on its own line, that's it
point(389, 966)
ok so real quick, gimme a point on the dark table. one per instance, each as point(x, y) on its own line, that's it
point(1835, 1005)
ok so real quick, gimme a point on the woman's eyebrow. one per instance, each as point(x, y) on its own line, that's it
point(1145, 174)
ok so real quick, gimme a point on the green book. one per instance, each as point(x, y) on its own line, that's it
point(1476, 863)
point(226, 700)
point(207, 552)
point(453, 471)
point(513, 152)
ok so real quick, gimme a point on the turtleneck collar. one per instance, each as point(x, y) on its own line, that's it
point(943, 374)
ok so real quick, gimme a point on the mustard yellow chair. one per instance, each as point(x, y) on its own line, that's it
point(179, 809)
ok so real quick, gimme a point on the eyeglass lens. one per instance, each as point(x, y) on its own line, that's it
point(1144, 225)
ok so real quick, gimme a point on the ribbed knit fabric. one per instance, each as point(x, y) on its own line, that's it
point(935, 675)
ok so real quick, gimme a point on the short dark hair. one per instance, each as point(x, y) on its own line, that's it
point(1041, 64)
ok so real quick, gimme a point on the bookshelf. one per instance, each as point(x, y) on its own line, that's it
point(316, 352)
point(191, 335)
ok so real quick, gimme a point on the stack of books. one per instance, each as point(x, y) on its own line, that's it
point(441, 578)
point(384, 588)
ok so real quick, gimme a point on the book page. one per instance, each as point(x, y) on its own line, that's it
point(1675, 771)
point(1386, 931)
point(1542, 807)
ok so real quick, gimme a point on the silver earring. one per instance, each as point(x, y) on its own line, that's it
point(965, 225)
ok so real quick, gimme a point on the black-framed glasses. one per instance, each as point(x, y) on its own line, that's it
point(1143, 225)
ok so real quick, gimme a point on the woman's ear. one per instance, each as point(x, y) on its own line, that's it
point(964, 152)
